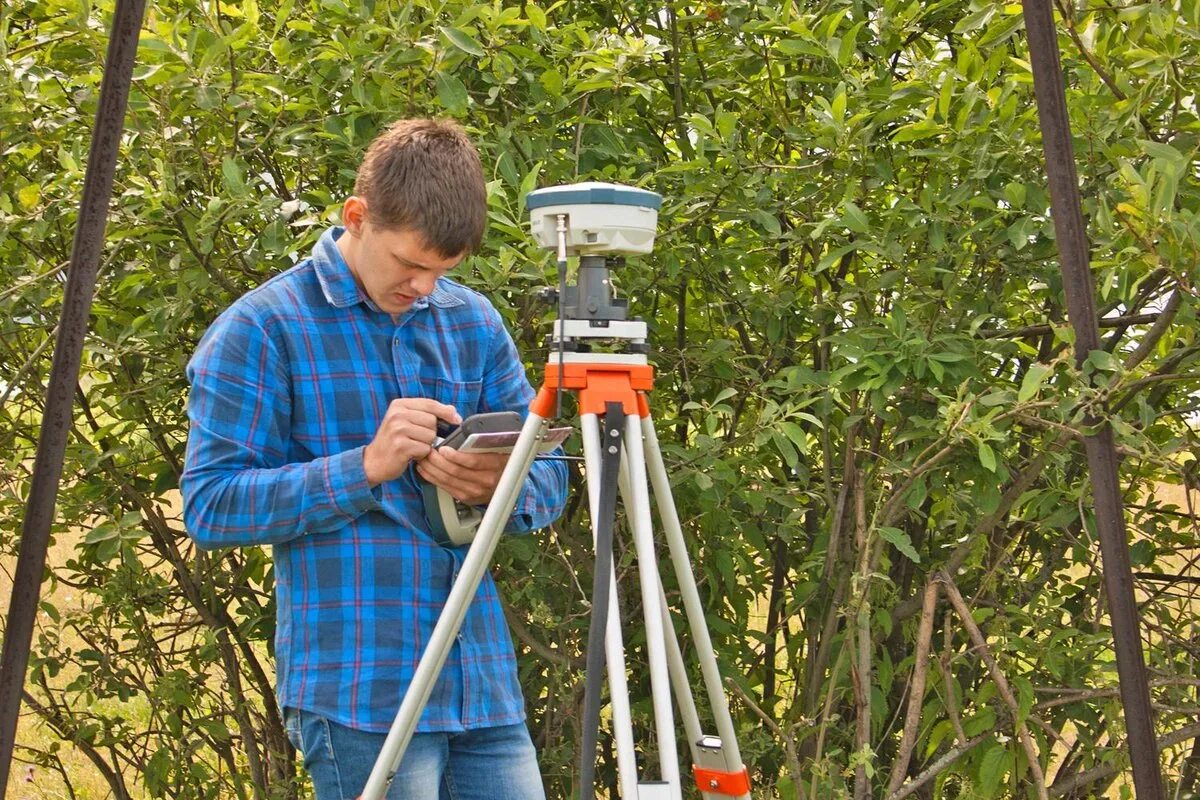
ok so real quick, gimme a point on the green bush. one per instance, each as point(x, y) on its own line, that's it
point(865, 370)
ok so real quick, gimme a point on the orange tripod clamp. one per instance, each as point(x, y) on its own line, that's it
point(597, 384)
point(732, 784)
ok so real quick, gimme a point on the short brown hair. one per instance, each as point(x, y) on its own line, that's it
point(424, 175)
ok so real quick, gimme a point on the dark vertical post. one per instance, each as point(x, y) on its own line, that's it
point(1101, 451)
point(64, 374)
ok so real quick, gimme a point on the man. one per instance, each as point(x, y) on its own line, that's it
point(315, 400)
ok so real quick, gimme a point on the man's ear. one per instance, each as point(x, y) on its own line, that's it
point(354, 214)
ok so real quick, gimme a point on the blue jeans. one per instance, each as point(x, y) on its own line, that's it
point(485, 764)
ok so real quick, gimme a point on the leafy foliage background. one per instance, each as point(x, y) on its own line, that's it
point(865, 372)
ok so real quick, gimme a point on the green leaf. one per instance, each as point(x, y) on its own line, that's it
point(854, 217)
point(799, 47)
point(536, 16)
point(786, 449)
point(726, 124)
point(462, 40)
point(1002, 29)
point(847, 46)
point(984, 720)
point(1142, 553)
point(1163, 151)
point(234, 179)
point(916, 131)
point(767, 221)
point(797, 435)
point(29, 195)
point(918, 493)
point(102, 533)
point(1015, 193)
point(993, 767)
point(1103, 361)
point(451, 92)
point(900, 540)
point(725, 394)
point(552, 82)
point(833, 256)
point(987, 457)
point(1032, 381)
point(978, 19)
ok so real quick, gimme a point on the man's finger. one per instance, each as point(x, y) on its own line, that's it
point(412, 419)
point(438, 468)
point(437, 459)
point(429, 406)
point(458, 486)
point(430, 473)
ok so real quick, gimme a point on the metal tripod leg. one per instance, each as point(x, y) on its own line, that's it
point(637, 510)
point(474, 566)
point(675, 663)
point(729, 753)
point(680, 682)
point(614, 647)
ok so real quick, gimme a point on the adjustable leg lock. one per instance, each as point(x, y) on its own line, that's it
point(715, 773)
point(733, 784)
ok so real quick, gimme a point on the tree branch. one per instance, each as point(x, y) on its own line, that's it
point(985, 653)
point(916, 696)
point(1107, 770)
point(937, 767)
point(1039, 330)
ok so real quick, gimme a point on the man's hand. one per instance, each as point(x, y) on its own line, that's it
point(470, 478)
point(405, 435)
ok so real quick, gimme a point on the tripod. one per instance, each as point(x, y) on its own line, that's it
point(622, 460)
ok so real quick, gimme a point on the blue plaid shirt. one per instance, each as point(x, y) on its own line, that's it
point(288, 386)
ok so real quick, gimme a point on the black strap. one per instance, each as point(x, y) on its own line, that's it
point(611, 437)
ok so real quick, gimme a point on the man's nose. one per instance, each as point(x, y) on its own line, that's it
point(424, 284)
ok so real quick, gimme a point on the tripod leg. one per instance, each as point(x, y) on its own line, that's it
point(461, 594)
point(675, 663)
point(614, 647)
point(702, 756)
point(637, 509)
point(728, 746)
point(679, 679)
point(602, 527)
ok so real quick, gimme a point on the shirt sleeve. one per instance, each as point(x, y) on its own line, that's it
point(238, 488)
point(506, 388)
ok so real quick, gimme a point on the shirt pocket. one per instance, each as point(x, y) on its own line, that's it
point(463, 395)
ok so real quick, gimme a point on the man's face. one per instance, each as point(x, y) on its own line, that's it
point(394, 267)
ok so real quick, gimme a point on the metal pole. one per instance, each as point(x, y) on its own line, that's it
point(1072, 242)
point(64, 374)
point(462, 593)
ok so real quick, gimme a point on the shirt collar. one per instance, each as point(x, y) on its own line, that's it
point(342, 290)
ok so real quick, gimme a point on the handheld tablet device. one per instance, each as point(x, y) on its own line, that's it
point(452, 523)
